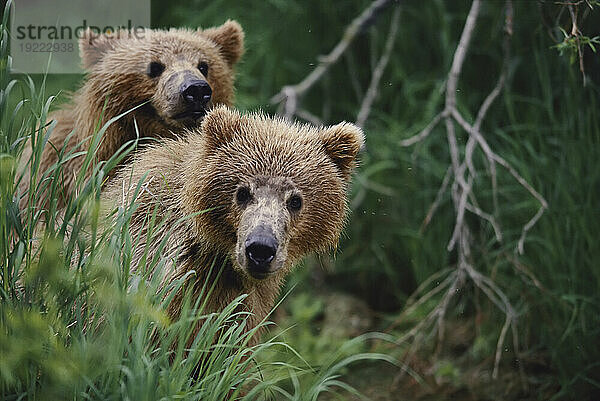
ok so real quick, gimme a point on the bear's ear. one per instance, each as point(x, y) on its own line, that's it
point(230, 39)
point(342, 142)
point(220, 125)
point(93, 46)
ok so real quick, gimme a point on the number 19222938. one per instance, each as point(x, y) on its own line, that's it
point(47, 47)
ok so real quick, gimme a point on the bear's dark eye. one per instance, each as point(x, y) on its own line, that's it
point(155, 69)
point(294, 203)
point(203, 67)
point(242, 195)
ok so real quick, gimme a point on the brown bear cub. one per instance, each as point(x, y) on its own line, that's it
point(175, 76)
point(261, 192)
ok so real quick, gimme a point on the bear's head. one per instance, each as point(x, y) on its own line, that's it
point(270, 191)
point(179, 74)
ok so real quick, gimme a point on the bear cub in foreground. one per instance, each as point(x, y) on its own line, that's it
point(261, 192)
point(174, 76)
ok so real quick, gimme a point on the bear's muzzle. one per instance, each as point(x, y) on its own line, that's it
point(261, 248)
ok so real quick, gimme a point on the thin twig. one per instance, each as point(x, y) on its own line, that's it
point(443, 307)
point(434, 277)
point(431, 316)
point(438, 199)
point(486, 216)
point(431, 293)
point(460, 214)
point(526, 228)
point(424, 133)
point(460, 54)
point(499, 346)
point(365, 107)
point(523, 269)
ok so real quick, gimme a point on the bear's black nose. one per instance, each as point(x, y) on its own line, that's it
point(196, 92)
point(261, 247)
point(261, 254)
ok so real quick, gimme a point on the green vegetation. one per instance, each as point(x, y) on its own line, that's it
point(545, 123)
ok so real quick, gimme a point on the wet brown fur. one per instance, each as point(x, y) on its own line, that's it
point(118, 81)
point(201, 172)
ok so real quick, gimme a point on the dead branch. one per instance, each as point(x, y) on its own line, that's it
point(289, 95)
point(463, 172)
point(499, 346)
point(424, 133)
point(460, 54)
point(438, 199)
point(451, 114)
point(365, 107)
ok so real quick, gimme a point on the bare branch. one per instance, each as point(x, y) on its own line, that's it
point(460, 214)
point(425, 297)
point(424, 133)
point(435, 313)
point(527, 227)
point(434, 277)
point(288, 96)
point(438, 199)
point(443, 307)
point(486, 216)
point(454, 152)
point(521, 180)
point(499, 346)
point(473, 133)
point(491, 97)
point(460, 53)
point(463, 170)
point(523, 269)
point(365, 107)
point(494, 157)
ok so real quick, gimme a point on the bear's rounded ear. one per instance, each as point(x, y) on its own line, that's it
point(220, 125)
point(93, 46)
point(230, 39)
point(342, 142)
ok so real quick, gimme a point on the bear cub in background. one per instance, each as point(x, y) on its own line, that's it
point(261, 193)
point(175, 76)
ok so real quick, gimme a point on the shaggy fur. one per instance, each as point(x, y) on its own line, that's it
point(119, 80)
point(204, 171)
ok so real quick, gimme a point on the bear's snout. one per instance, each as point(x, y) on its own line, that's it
point(261, 248)
point(191, 96)
point(196, 92)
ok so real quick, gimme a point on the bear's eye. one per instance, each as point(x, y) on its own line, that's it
point(242, 195)
point(155, 69)
point(294, 203)
point(203, 67)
